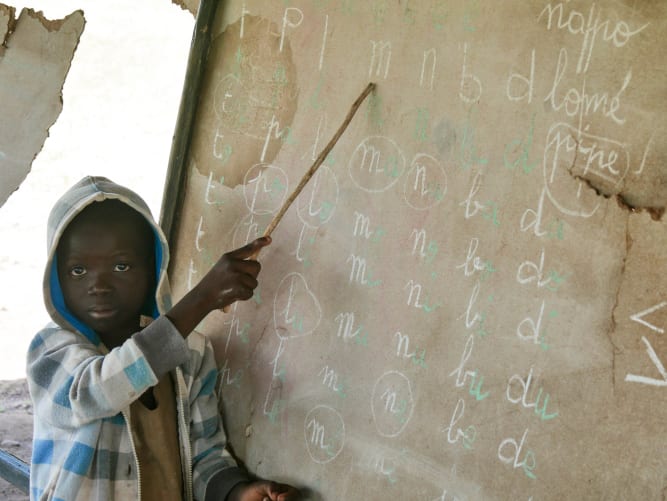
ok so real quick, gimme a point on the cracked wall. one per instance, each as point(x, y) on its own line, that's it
point(468, 300)
point(35, 56)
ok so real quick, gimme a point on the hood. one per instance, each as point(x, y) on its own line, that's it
point(89, 190)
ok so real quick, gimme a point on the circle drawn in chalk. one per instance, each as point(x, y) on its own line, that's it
point(265, 188)
point(317, 203)
point(324, 431)
point(376, 164)
point(392, 404)
point(425, 182)
point(296, 310)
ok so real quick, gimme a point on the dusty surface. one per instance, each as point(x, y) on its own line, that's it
point(15, 429)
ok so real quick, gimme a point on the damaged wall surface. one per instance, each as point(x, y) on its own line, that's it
point(190, 5)
point(35, 56)
point(468, 301)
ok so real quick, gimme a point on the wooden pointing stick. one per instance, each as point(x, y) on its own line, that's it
point(318, 161)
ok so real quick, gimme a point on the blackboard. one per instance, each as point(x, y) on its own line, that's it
point(468, 301)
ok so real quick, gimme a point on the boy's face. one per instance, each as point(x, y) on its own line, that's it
point(106, 273)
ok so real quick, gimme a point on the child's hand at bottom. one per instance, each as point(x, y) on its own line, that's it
point(264, 490)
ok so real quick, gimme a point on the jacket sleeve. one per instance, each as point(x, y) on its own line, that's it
point(215, 472)
point(73, 383)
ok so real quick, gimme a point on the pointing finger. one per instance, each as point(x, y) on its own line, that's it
point(250, 249)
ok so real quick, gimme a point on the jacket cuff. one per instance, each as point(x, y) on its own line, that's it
point(162, 345)
point(222, 483)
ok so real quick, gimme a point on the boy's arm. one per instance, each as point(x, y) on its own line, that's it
point(72, 383)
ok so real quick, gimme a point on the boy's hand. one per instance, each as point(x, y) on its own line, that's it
point(264, 490)
point(232, 278)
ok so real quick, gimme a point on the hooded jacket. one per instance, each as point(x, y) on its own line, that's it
point(81, 392)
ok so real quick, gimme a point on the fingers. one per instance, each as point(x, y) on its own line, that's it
point(250, 249)
point(283, 492)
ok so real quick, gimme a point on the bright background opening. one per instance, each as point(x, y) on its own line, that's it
point(120, 102)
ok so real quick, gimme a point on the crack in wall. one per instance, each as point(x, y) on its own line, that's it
point(656, 213)
point(612, 329)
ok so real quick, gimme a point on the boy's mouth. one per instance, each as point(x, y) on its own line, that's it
point(101, 312)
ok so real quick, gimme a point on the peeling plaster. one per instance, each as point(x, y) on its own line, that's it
point(35, 58)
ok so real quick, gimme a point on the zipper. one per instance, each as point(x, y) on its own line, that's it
point(126, 415)
point(184, 434)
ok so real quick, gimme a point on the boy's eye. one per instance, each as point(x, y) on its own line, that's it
point(77, 271)
point(121, 267)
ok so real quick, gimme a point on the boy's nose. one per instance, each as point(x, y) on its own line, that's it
point(99, 284)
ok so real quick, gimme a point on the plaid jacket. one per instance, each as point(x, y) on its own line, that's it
point(82, 447)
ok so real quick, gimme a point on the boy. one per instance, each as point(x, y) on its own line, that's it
point(123, 390)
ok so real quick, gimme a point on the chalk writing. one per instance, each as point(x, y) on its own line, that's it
point(207, 193)
point(274, 131)
point(264, 188)
point(639, 317)
point(236, 329)
point(531, 330)
point(425, 183)
point(455, 432)
point(362, 225)
point(470, 90)
point(470, 318)
point(380, 58)
point(221, 150)
point(358, 271)
point(324, 41)
point(524, 385)
point(653, 356)
point(229, 101)
point(346, 326)
point(532, 220)
point(461, 373)
point(318, 201)
point(577, 23)
point(527, 95)
point(529, 272)
point(296, 310)
point(420, 248)
point(392, 403)
point(581, 103)
point(200, 233)
point(430, 56)
point(376, 164)
point(474, 263)
point(403, 350)
point(292, 18)
point(192, 271)
point(330, 380)
point(527, 464)
point(324, 432)
point(227, 378)
point(594, 157)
